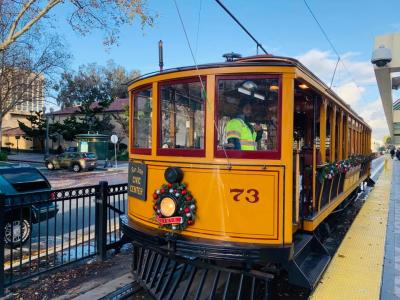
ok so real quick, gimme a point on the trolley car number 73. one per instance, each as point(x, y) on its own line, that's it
point(250, 195)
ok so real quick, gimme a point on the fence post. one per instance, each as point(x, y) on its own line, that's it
point(2, 200)
point(101, 219)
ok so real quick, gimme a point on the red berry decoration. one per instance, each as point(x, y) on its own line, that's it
point(184, 215)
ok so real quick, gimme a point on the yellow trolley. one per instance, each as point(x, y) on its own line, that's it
point(233, 166)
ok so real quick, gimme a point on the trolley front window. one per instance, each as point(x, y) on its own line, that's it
point(142, 113)
point(248, 116)
point(182, 118)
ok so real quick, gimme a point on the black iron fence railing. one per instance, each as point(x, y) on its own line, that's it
point(46, 230)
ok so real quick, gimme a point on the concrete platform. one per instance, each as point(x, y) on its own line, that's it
point(357, 267)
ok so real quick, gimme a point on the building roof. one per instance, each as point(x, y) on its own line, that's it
point(396, 104)
point(13, 132)
point(116, 106)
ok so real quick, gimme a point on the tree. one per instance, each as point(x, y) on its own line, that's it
point(75, 88)
point(92, 92)
point(118, 78)
point(123, 122)
point(83, 16)
point(31, 64)
point(36, 130)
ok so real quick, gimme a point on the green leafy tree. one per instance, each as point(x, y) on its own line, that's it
point(36, 129)
point(92, 89)
point(122, 121)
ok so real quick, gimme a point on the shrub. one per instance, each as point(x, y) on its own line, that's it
point(3, 156)
point(123, 155)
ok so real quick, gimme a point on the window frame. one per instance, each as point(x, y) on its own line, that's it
point(174, 151)
point(134, 150)
point(257, 154)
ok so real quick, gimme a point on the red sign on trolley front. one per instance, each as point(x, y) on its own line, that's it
point(172, 220)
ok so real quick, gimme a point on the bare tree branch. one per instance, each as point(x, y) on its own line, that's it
point(13, 36)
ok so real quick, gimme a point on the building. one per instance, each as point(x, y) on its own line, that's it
point(117, 107)
point(27, 96)
point(386, 60)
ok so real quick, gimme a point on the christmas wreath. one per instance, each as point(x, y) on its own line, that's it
point(174, 206)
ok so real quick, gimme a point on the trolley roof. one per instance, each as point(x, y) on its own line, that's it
point(262, 60)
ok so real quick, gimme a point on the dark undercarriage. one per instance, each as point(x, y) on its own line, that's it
point(169, 260)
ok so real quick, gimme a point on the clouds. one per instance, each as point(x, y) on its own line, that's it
point(374, 115)
point(352, 83)
point(350, 92)
point(323, 64)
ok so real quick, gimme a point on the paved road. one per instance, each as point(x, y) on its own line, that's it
point(75, 220)
point(78, 214)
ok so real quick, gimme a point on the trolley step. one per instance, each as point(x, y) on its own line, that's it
point(309, 261)
point(167, 277)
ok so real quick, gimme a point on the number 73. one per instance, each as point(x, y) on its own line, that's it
point(250, 195)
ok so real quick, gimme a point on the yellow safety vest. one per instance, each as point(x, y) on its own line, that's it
point(237, 128)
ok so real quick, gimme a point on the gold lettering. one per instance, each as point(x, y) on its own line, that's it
point(136, 190)
point(136, 180)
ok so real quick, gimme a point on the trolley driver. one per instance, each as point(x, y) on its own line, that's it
point(240, 133)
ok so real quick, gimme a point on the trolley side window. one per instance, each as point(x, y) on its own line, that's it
point(182, 118)
point(142, 113)
point(248, 116)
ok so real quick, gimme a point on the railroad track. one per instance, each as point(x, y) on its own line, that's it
point(124, 293)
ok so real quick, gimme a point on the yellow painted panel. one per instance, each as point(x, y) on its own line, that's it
point(356, 269)
point(218, 213)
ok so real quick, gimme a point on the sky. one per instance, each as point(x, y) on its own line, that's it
point(283, 27)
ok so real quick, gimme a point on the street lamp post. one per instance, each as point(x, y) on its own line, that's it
point(47, 130)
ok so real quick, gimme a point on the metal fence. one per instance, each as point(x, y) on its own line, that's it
point(43, 231)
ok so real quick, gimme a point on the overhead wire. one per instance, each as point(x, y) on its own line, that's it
point(198, 73)
point(198, 26)
point(325, 34)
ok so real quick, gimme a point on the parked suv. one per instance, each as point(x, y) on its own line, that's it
point(75, 161)
point(26, 192)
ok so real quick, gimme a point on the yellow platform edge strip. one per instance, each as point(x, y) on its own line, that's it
point(355, 271)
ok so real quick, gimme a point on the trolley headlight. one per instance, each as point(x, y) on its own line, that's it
point(167, 207)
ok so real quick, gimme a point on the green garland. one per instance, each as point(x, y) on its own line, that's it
point(330, 170)
point(186, 205)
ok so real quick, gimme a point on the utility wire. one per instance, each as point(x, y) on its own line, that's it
point(198, 27)
point(241, 26)
point(198, 74)
point(333, 48)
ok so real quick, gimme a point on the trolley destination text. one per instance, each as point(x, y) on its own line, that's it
point(137, 180)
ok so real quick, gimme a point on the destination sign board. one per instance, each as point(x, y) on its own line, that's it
point(137, 180)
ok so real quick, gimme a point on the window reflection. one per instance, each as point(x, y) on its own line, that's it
point(248, 114)
point(182, 116)
point(142, 113)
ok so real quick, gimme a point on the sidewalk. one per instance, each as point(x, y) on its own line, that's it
point(355, 271)
point(391, 270)
point(88, 280)
point(38, 158)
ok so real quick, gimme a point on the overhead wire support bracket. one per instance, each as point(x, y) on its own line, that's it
point(241, 26)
